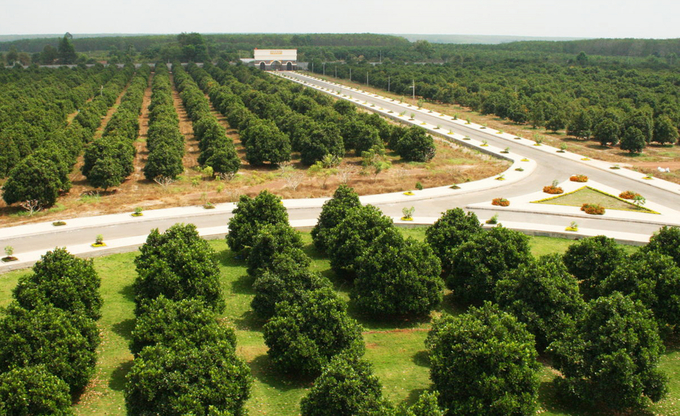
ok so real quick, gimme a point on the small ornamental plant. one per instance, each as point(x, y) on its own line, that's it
point(506, 150)
point(525, 159)
point(466, 138)
point(467, 120)
point(138, 212)
point(99, 241)
point(409, 193)
point(419, 186)
point(483, 127)
point(59, 223)
point(501, 202)
point(593, 209)
point(518, 138)
point(585, 159)
point(573, 227)
point(454, 186)
point(9, 254)
point(553, 188)
point(615, 167)
point(209, 205)
point(649, 176)
point(408, 213)
point(628, 195)
point(520, 169)
point(484, 143)
point(500, 177)
point(578, 178)
point(493, 220)
point(563, 148)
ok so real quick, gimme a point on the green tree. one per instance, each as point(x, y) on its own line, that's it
point(607, 132)
point(332, 212)
point(181, 379)
point(415, 145)
point(452, 229)
point(323, 139)
point(543, 295)
point(33, 391)
point(225, 161)
point(163, 161)
point(397, 277)
point(178, 264)
point(287, 281)
point(665, 131)
point(250, 215)
point(273, 239)
point(66, 51)
point(610, 359)
point(264, 142)
point(63, 280)
point(633, 140)
point(162, 321)
point(481, 261)
point(581, 124)
point(303, 336)
point(33, 178)
point(46, 336)
point(346, 387)
point(591, 260)
point(666, 241)
point(352, 236)
point(106, 173)
point(653, 279)
point(483, 362)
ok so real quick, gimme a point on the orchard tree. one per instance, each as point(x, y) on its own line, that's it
point(105, 174)
point(250, 215)
point(543, 295)
point(264, 142)
point(163, 161)
point(581, 124)
point(332, 212)
point(665, 131)
point(303, 336)
point(347, 386)
point(666, 241)
point(607, 132)
point(323, 139)
point(181, 379)
point(452, 229)
point(415, 145)
point(31, 179)
point(591, 260)
point(397, 277)
point(63, 280)
point(633, 140)
point(178, 264)
point(273, 239)
point(225, 161)
point(483, 362)
point(46, 336)
point(287, 281)
point(610, 359)
point(483, 260)
point(162, 321)
point(653, 279)
point(352, 236)
point(33, 391)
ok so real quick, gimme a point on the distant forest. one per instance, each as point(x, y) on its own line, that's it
point(324, 47)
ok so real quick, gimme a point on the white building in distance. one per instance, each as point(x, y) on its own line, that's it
point(275, 59)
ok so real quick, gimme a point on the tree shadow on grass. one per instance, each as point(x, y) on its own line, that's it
point(243, 285)
point(128, 293)
point(263, 370)
point(117, 381)
point(248, 322)
point(421, 359)
point(413, 396)
point(451, 306)
point(370, 322)
point(124, 328)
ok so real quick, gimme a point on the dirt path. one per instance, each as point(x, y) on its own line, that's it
point(140, 143)
point(191, 150)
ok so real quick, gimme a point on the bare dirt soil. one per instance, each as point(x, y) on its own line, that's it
point(451, 165)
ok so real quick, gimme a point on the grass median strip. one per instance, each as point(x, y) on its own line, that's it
point(588, 195)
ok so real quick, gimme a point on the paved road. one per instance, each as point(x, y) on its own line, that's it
point(549, 166)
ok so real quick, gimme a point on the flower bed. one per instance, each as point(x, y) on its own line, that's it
point(552, 189)
point(628, 195)
point(593, 209)
point(501, 202)
point(578, 178)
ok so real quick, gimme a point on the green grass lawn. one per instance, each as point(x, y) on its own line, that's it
point(587, 195)
point(396, 350)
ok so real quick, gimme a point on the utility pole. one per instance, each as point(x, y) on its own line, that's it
point(366, 78)
point(350, 75)
point(389, 79)
point(312, 66)
point(324, 69)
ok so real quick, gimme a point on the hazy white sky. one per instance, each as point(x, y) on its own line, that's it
point(559, 18)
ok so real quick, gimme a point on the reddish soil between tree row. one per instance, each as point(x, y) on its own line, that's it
point(451, 165)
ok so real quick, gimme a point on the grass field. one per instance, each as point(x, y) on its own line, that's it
point(396, 350)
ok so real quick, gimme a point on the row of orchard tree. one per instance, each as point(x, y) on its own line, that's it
point(109, 160)
point(306, 325)
point(598, 315)
point(614, 106)
point(37, 179)
point(184, 358)
point(276, 117)
point(49, 336)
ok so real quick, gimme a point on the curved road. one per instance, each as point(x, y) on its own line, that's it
point(550, 166)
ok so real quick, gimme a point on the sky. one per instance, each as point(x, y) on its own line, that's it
point(542, 18)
